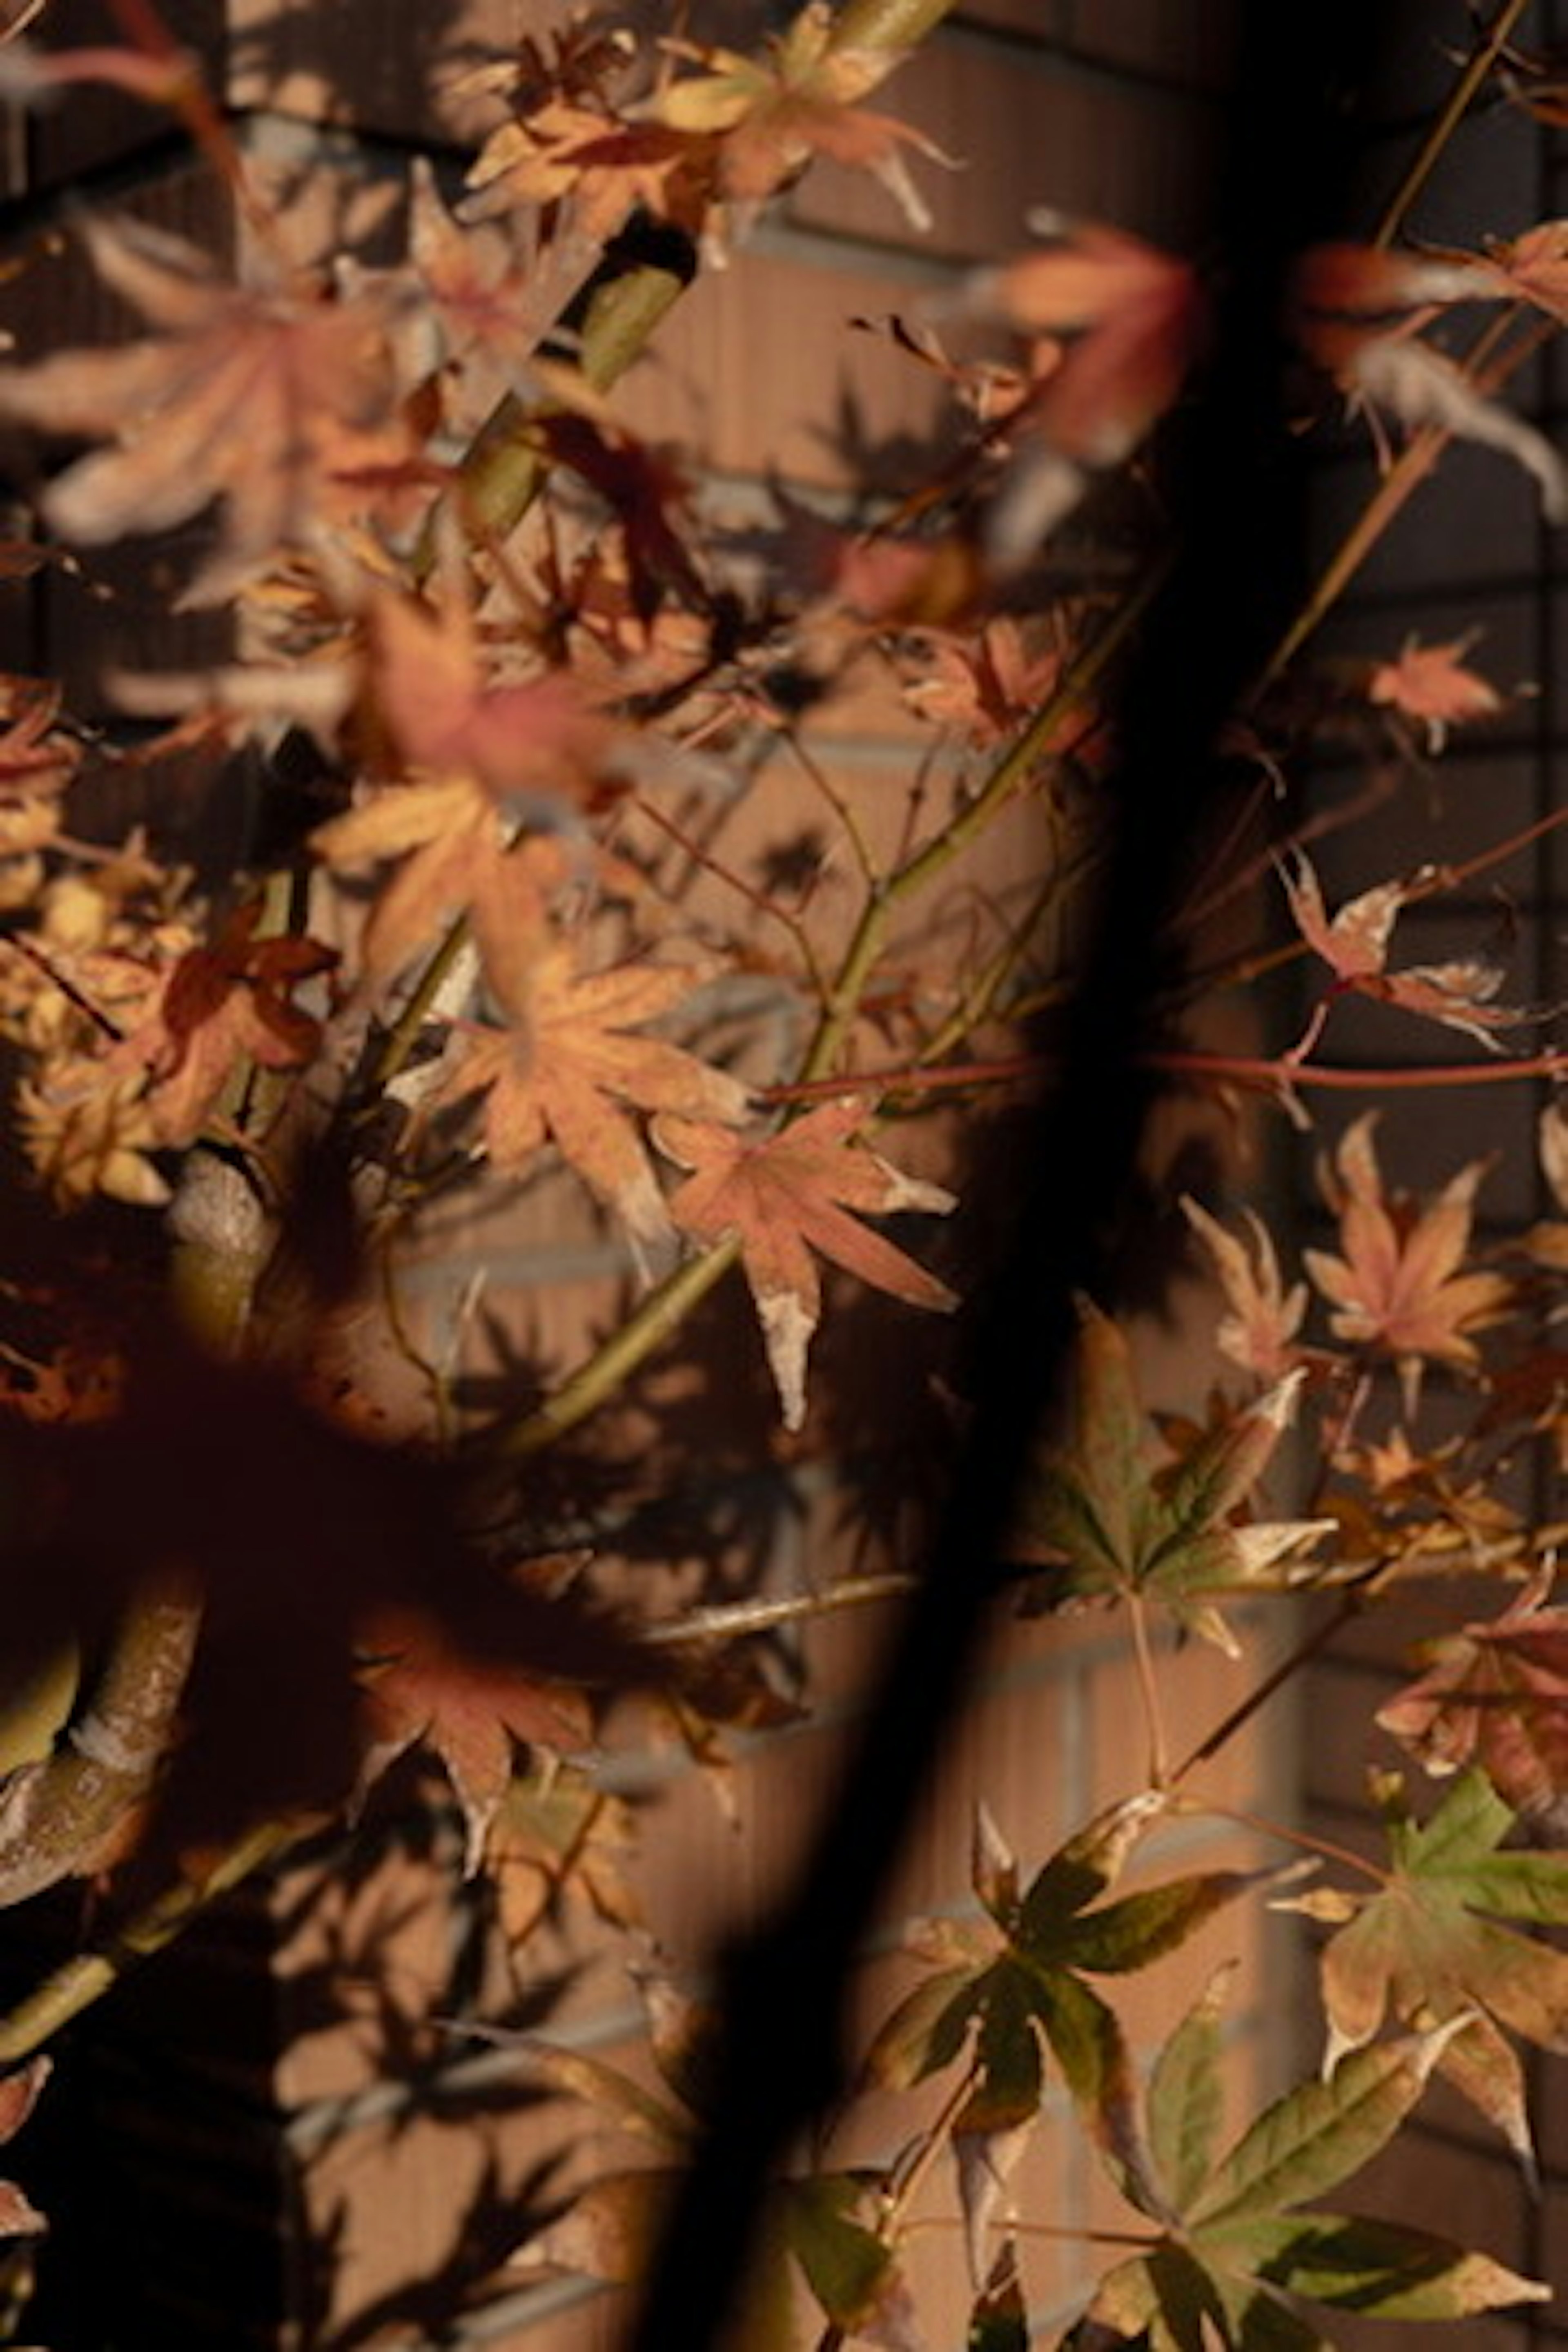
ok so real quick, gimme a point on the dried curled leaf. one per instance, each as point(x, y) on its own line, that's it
point(1354, 945)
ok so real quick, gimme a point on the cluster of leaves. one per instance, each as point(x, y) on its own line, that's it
point(263, 1537)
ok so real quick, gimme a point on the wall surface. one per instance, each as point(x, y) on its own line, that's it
point(357, 2164)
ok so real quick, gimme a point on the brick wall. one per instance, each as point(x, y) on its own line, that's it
point(402, 2154)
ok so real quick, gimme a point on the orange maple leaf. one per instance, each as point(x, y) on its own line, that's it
point(787, 1195)
point(572, 1058)
point(470, 1710)
point(1430, 682)
point(270, 398)
point(1260, 1332)
point(1397, 1287)
point(1354, 945)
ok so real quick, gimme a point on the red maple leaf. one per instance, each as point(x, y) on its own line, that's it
point(470, 1709)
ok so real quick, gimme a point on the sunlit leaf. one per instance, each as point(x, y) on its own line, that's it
point(801, 1189)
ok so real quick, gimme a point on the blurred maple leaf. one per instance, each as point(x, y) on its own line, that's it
point(787, 1195)
point(560, 1074)
point(1131, 321)
point(1397, 1285)
point(304, 1539)
point(268, 398)
point(1354, 945)
point(1355, 311)
point(1430, 682)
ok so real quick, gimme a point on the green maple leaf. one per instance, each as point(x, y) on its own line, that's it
point(1015, 1988)
point(1112, 1524)
point(1232, 2250)
point(1428, 1946)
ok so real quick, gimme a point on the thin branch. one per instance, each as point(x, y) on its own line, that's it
point(1479, 64)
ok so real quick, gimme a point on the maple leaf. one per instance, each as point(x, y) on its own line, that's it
point(769, 115)
point(1233, 2252)
point(1006, 1992)
point(1430, 1948)
point(1353, 311)
point(1354, 945)
point(222, 1003)
point(448, 718)
point(1260, 1332)
point(479, 293)
point(561, 1073)
point(1430, 682)
point(1133, 321)
point(424, 1688)
point(1495, 1693)
point(1110, 1525)
point(782, 1196)
point(1397, 1287)
point(267, 398)
point(485, 758)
